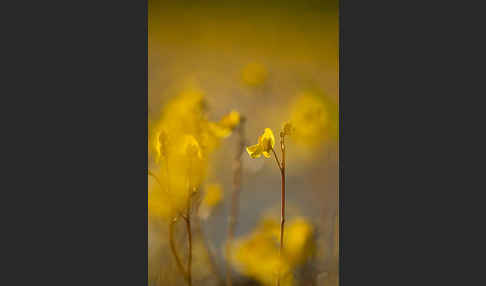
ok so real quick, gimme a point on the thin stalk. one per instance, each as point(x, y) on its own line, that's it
point(233, 219)
point(282, 205)
point(189, 258)
point(187, 218)
point(174, 250)
point(276, 159)
point(150, 173)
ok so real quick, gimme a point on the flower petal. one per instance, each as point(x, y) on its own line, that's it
point(254, 151)
point(218, 130)
point(267, 140)
point(266, 154)
point(230, 120)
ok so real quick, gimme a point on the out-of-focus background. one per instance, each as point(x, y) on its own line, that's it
point(272, 61)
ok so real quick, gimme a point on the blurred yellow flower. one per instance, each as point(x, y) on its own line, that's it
point(186, 151)
point(257, 254)
point(226, 125)
point(213, 195)
point(230, 120)
point(266, 142)
point(254, 74)
point(314, 117)
point(298, 243)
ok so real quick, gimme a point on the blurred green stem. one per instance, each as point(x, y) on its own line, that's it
point(187, 219)
point(189, 258)
point(150, 173)
point(233, 219)
point(174, 250)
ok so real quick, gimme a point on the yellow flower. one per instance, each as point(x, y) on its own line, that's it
point(226, 125)
point(299, 243)
point(231, 120)
point(181, 138)
point(257, 253)
point(287, 129)
point(264, 146)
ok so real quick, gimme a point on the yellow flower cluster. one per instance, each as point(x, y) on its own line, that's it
point(257, 254)
point(181, 142)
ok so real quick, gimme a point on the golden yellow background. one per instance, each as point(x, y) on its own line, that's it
point(259, 58)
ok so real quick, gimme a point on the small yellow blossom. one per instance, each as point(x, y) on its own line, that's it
point(230, 120)
point(226, 125)
point(287, 129)
point(215, 129)
point(266, 142)
point(298, 241)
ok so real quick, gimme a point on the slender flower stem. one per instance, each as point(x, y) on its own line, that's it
point(233, 219)
point(150, 173)
point(282, 203)
point(189, 258)
point(174, 250)
point(187, 218)
point(155, 177)
point(276, 159)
